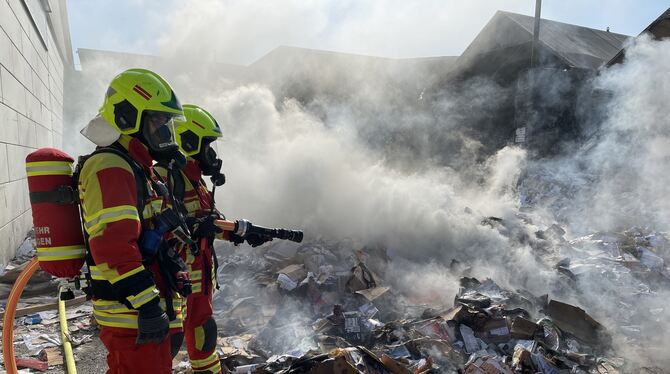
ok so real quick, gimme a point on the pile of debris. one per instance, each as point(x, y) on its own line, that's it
point(322, 307)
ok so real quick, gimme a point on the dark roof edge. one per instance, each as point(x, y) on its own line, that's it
point(563, 23)
point(323, 51)
point(620, 55)
point(94, 50)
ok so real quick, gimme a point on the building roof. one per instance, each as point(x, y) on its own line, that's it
point(659, 29)
point(291, 55)
point(504, 41)
point(579, 46)
point(88, 57)
point(576, 46)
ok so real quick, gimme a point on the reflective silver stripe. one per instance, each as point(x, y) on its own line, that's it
point(152, 207)
point(109, 307)
point(176, 303)
point(33, 169)
point(98, 306)
point(192, 206)
point(141, 299)
point(96, 274)
point(107, 215)
point(66, 252)
point(130, 320)
point(205, 362)
point(127, 321)
point(196, 274)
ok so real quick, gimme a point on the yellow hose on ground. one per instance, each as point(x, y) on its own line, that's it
point(8, 322)
point(10, 310)
point(65, 336)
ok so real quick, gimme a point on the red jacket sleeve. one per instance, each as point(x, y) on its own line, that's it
point(108, 192)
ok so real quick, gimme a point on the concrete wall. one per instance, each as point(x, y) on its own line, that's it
point(31, 104)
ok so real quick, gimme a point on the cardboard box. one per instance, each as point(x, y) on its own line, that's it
point(494, 331)
point(488, 365)
point(394, 366)
point(523, 328)
point(334, 365)
point(575, 321)
point(296, 272)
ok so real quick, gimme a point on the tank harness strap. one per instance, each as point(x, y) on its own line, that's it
point(63, 195)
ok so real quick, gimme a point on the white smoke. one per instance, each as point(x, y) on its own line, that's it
point(617, 181)
point(332, 167)
point(631, 156)
point(287, 167)
point(243, 31)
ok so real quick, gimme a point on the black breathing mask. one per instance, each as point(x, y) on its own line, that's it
point(210, 164)
point(157, 133)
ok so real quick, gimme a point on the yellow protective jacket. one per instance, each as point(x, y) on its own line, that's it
point(108, 191)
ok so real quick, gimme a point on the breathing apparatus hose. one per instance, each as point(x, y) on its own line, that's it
point(8, 322)
point(10, 310)
point(65, 336)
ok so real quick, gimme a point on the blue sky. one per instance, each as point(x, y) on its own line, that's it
point(241, 31)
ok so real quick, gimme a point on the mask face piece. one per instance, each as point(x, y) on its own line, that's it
point(157, 133)
point(207, 160)
point(158, 130)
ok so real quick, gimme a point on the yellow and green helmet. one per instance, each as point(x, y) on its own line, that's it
point(134, 92)
point(198, 124)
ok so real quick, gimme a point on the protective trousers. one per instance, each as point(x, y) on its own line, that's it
point(126, 357)
point(199, 327)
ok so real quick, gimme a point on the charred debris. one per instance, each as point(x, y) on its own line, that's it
point(331, 307)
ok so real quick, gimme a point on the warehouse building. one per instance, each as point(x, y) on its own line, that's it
point(35, 57)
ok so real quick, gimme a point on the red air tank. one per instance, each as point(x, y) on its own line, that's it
point(59, 240)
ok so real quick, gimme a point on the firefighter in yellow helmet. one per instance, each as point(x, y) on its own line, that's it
point(135, 282)
point(195, 136)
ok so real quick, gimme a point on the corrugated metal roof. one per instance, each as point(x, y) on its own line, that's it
point(581, 47)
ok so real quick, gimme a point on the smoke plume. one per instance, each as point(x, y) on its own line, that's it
point(367, 157)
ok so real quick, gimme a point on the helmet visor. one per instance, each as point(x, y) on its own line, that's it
point(158, 130)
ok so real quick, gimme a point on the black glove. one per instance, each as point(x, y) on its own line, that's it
point(152, 323)
point(206, 228)
point(236, 239)
point(255, 240)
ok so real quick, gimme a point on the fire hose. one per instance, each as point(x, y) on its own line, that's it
point(65, 334)
point(244, 227)
point(241, 227)
point(8, 322)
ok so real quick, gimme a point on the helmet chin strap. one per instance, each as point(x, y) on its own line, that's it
point(178, 160)
point(171, 156)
